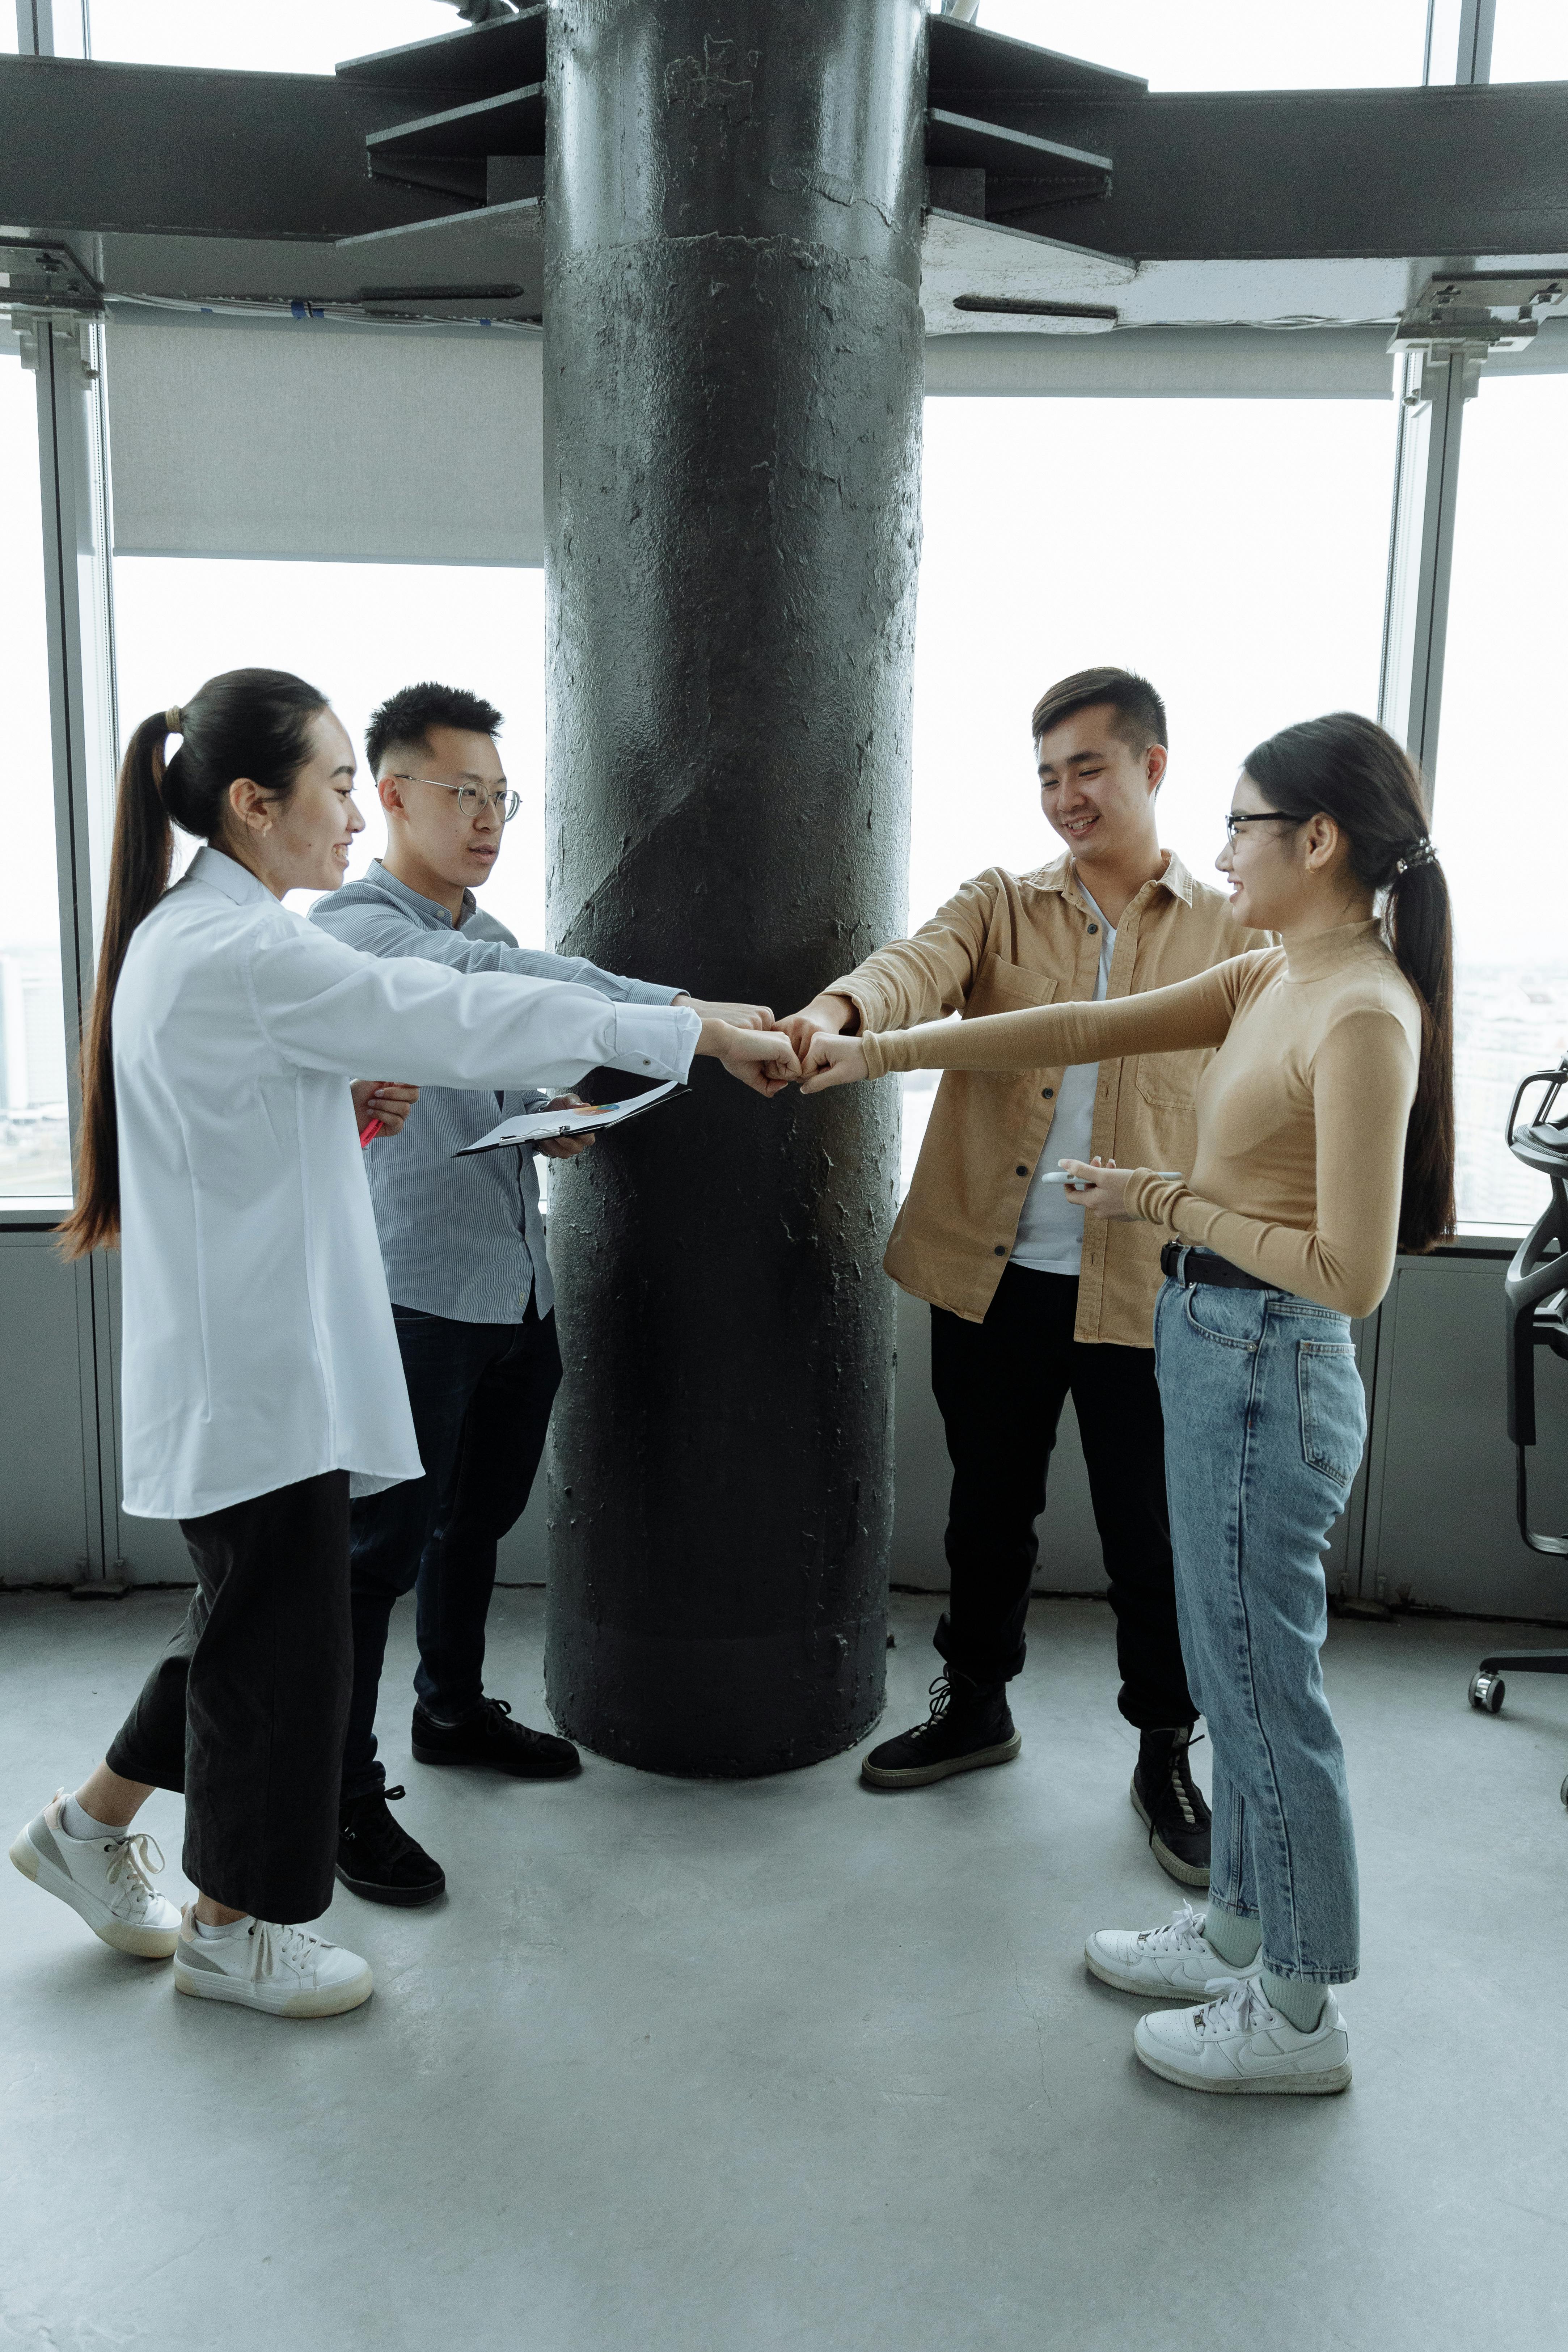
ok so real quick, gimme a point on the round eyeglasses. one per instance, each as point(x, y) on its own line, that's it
point(1233, 823)
point(473, 798)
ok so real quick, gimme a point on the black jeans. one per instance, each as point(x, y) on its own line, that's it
point(999, 1386)
point(480, 1395)
point(245, 1710)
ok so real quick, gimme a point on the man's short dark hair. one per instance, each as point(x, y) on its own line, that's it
point(407, 718)
point(1140, 713)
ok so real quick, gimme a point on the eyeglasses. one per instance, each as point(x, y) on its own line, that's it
point(1233, 823)
point(472, 799)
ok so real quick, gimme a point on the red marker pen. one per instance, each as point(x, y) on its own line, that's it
point(369, 1132)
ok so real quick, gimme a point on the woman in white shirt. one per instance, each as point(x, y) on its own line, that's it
point(261, 1375)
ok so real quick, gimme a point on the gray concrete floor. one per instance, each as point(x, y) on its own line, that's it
point(695, 2067)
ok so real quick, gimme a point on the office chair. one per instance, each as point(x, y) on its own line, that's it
point(1535, 1306)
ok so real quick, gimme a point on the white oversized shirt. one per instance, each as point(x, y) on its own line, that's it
point(258, 1344)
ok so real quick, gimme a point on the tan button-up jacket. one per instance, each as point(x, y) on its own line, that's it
point(1012, 939)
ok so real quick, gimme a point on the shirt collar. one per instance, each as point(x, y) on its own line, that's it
point(228, 876)
point(427, 909)
point(1059, 877)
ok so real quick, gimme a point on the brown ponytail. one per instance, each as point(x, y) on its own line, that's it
point(247, 722)
point(1346, 767)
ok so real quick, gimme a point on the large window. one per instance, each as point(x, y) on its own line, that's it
point(1234, 551)
point(1232, 44)
point(284, 37)
point(1530, 41)
point(358, 631)
point(1501, 815)
point(35, 1147)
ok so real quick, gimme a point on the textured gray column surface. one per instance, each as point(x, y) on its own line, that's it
point(732, 413)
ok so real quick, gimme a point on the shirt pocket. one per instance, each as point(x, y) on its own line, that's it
point(1003, 987)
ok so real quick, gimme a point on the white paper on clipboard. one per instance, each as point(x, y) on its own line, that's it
point(545, 1126)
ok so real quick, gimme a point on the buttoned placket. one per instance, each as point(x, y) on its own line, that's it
point(1108, 1104)
point(1036, 1138)
point(1086, 968)
point(432, 910)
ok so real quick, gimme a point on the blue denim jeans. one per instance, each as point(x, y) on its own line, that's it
point(1265, 1422)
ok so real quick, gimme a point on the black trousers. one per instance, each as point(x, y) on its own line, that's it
point(999, 1386)
point(480, 1395)
point(245, 1710)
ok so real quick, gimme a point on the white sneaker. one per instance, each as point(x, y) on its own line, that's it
point(1173, 1962)
point(284, 1970)
point(1238, 2042)
point(106, 1881)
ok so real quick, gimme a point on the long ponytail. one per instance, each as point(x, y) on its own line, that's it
point(247, 722)
point(1346, 767)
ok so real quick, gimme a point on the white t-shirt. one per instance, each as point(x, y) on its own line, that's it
point(1050, 1229)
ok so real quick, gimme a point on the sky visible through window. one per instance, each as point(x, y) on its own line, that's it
point(1233, 551)
point(359, 632)
point(1500, 811)
point(35, 1155)
point(1229, 44)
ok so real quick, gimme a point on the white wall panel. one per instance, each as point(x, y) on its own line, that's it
point(314, 442)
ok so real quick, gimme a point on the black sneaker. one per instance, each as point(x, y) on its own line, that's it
point(378, 1859)
point(1170, 1805)
point(969, 1726)
point(490, 1738)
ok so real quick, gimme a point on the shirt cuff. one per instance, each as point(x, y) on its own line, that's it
point(867, 1006)
point(659, 1039)
point(652, 991)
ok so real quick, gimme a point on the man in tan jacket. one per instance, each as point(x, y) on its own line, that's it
point(1027, 1307)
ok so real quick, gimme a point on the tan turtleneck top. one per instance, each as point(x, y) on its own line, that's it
point(1302, 1114)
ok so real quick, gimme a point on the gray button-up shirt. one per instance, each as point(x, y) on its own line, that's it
point(464, 1238)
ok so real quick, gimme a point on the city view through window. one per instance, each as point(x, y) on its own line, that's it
point(35, 1149)
point(1500, 813)
point(1233, 551)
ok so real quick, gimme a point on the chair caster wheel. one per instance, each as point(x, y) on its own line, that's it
point(1487, 1693)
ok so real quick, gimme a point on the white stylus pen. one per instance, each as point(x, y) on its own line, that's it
point(1060, 1176)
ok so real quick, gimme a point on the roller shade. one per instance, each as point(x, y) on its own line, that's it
point(1168, 363)
point(325, 443)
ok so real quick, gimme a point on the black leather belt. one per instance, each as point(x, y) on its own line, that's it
point(1181, 1262)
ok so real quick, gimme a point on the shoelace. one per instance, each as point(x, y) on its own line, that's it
point(1238, 2006)
point(1182, 1780)
point(374, 1829)
point(1186, 1929)
point(131, 1867)
point(275, 1948)
point(940, 1697)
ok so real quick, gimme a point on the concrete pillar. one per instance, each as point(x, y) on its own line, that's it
point(732, 367)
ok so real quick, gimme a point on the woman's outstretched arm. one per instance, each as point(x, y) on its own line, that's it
point(1194, 1012)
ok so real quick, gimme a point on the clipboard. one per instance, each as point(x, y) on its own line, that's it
point(545, 1126)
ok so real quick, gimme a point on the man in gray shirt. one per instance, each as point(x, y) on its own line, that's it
point(463, 1244)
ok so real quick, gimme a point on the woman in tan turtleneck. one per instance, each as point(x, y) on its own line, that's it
point(1325, 1141)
